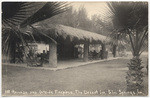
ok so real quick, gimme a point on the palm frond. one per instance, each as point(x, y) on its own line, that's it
point(129, 14)
point(48, 10)
point(13, 13)
point(131, 18)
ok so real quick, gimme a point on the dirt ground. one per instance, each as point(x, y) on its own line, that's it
point(99, 79)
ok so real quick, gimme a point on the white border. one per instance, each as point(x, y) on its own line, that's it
point(70, 1)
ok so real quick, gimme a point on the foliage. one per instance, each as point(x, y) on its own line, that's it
point(107, 28)
point(17, 16)
point(77, 19)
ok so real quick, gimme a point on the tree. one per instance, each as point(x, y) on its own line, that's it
point(17, 16)
point(74, 18)
point(131, 19)
point(107, 29)
point(68, 18)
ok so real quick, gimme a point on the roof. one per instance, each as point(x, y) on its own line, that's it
point(73, 33)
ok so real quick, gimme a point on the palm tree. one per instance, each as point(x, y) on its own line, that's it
point(17, 16)
point(131, 19)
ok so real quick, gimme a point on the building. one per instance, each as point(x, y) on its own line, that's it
point(62, 40)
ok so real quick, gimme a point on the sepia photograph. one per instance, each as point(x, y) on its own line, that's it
point(74, 48)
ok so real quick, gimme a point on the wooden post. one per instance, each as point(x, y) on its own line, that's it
point(86, 50)
point(114, 50)
point(52, 54)
point(103, 51)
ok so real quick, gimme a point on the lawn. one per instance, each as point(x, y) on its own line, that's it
point(100, 79)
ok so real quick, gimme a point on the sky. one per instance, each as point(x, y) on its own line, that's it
point(99, 8)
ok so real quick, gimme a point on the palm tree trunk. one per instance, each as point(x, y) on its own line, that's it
point(134, 76)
